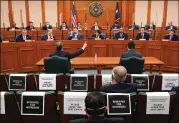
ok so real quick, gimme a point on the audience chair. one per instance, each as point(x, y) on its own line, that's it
point(3, 82)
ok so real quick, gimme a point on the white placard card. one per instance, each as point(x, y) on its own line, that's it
point(32, 103)
point(106, 79)
point(118, 104)
point(17, 82)
point(47, 82)
point(74, 102)
point(169, 81)
point(2, 103)
point(158, 103)
point(79, 82)
point(141, 80)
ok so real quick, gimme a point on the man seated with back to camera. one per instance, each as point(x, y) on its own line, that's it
point(119, 74)
point(95, 108)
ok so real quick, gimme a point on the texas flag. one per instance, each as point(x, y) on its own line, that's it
point(117, 14)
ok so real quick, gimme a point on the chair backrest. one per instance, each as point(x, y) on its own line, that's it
point(12, 112)
point(3, 82)
point(133, 65)
point(157, 85)
point(56, 65)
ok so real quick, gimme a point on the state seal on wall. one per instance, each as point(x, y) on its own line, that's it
point(95, 9)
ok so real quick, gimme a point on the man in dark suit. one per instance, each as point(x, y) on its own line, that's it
point(133, 27)
point(13, 27)
point(115, 26)
point(142, 35)
point(22, 37)
point(64, 26)
point(150, 26)
point(98, 34)
point(96, 26)
point(49, 36)
point(75, 35)
point(47, 26)
point(119, 74)
point(95, 107)
point(30, 26)
point(171, 26)
point(172, 36)
point(131, 51)
point(121, 35)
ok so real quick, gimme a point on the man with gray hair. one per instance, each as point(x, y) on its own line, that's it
point(119, 74)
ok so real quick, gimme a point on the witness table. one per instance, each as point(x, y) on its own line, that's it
point(101, 62)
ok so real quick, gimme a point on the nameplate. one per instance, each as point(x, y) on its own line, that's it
point(165, 40)
point(5, 41)
point(120, 38)
point(169, 81)
point(28, 40)
point(17, 82)
point(2, 103)
point(158, 103)
point(97, 39)
point(118, 104)
point(106, 79)
point(74, 39)
point(47, 82)
point(32, 103)
point(79, 82)
point(142, 39)
point(74, 103)
point(141, 80)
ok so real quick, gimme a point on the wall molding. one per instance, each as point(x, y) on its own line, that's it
point(43, 12)
point(149, 11)
point(165, 14)
point(27, 12)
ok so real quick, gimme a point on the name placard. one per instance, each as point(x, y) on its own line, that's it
point(169, 81)
point(2, 103)
point(47, 82)
point(141, 80)
point(106, 79)
point(17, 82)
point(74, 102)
point(158, 103)
point(118, 104)
point(32, 103)
point(79, 82)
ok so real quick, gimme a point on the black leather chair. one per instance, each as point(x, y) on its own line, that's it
point(56, 65)
point(133, 65)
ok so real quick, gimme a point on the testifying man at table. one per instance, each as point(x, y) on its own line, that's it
point(23, 36)
point(172, 36)
point(142, 35)
point(75, 35)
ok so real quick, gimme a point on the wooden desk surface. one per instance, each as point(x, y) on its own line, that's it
point(105, 61)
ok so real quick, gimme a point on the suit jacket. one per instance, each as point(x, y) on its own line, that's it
point(136, 27)
point(174, 38)
point(119, 88)
point(124, 35)
point(131, 53)
point(45, 27)
point(146, 36)
point(28, 28)
point(60, 27)
point(45, 37)
point(79, 36)
point(98, 120)
point(100, 36)
point(9, 28)
point(93, 28)
point(115, 27)
point(176, 88)
point(147, 27)
point(173, 27)
point(19, 38)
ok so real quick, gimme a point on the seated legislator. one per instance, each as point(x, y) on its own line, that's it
point(150, 26)
point(98, 34)
point(95, 108)
point(47, 26)
point(79, 26)
point(142, 35)
point(64, 26)
point(172, 36)
point(14, 27)
point(49, 36)
point(171, 26)
point(119, 74)
point(75, 35)
point(96, 26)
point(23, 36)
point(30, 26)
point(133, 27)
point(115, 26)
point(121, 35)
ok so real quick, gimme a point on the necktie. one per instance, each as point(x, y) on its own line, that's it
point(120, 35)
point(171, 27)
point(170, 37)
point(24, 37)
point(96, 27)
point(142, 36)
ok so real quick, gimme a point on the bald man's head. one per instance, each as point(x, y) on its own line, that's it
point(119, 74)
point(59, 46)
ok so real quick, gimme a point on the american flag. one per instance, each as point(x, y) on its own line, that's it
point(74, 18)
